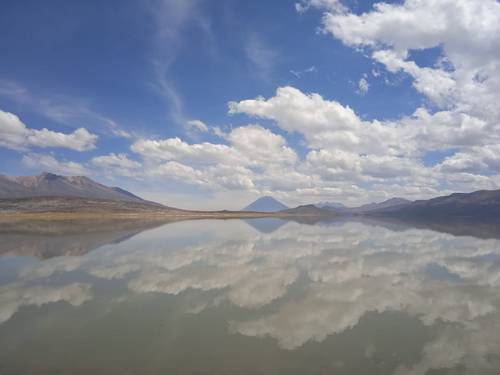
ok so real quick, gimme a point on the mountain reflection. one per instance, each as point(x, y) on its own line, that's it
point(47, 239)
point(403, 299)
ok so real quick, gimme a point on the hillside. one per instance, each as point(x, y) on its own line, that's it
point(331, 205)
point(390, 203)
point(53, 185)
point(483, 203)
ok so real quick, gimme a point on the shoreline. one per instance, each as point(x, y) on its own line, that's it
point(150, 216)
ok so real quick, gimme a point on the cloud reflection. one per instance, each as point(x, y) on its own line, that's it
point(341, 272)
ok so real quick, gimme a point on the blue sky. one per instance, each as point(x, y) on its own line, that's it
point(204, 103)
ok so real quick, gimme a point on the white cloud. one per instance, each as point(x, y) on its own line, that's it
point(44, 162)
point(363, 86)
point(197, 125)
point(260, 145)
point(330, 125)
point(116, 164)
point(466, 30)
point(479, 160)
point(464, 81)
point(115, 160)
point(14, 134)
point(212, 165)
point(177, 149)
point(308, 114)
point(343, 147)
point(438, 85)
point(177, 172)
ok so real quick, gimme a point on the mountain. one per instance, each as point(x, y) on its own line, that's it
point(483, 203)
point(53, 185)
point(309, 210)
point(341, 208)
point(265, 204)
point(330, 205)
point(393, 202)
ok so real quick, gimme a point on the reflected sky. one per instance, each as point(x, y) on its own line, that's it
point(250, 297)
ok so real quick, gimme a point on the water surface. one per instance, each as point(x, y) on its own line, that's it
point(262, 296)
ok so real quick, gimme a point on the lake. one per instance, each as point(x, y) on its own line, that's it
point(262, 296)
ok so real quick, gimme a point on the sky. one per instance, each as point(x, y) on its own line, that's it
point(210, 104)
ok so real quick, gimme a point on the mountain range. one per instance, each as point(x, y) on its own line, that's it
point(49, 192)
point(482, 203)
point(366, 208)
point(270, 204)
point(53, 185)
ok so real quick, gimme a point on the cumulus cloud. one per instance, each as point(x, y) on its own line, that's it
point(261, 146)
point(116, 164)
point(328, 124)
point(250, 154)
point(466, 31)
point(177, 149)
point(47, 162)
point(461, 89)
point(480, 160)
point(344, 152)
point(331, 128)
point(14, 134)
point(115, 161)
point(322, 122)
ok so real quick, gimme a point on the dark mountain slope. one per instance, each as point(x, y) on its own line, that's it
point(483, 203)
point(393, 202)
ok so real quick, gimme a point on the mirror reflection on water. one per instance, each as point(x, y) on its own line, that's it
point(261, 296)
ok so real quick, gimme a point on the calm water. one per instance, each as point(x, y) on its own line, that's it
point(250, 297)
